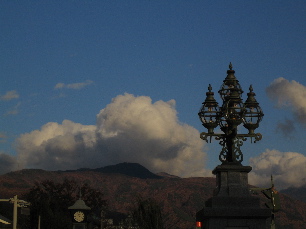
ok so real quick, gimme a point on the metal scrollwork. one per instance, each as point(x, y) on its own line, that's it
point(230, 152)
point(204, 136)
point(224, 152)
point(236, 149)
point(258, 137)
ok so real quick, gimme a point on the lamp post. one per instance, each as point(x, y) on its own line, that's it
point(232, 205)
point(229, 116)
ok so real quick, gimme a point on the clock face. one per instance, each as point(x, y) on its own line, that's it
point(79, 216)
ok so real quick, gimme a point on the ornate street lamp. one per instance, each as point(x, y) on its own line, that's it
point(229, 116)
point(232, 204)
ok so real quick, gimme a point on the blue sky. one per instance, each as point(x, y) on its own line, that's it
point(67, 60)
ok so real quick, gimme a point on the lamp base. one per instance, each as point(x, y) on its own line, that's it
point(232, 205)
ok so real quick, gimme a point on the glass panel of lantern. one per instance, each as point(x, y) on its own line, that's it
point(253, 115)
point(232, 112)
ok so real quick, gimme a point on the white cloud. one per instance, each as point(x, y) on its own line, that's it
point(56, 146)
point(59, 85)
point(73, 85)
point(286, 127)
point(291, 95)
point(287, 168)
point(130, 129)
point(7, 163)
point(9, 95)
point(151, 134)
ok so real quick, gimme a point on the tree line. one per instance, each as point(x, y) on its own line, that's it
point(50, 201)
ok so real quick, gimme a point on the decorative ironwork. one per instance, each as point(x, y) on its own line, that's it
point(229, 116)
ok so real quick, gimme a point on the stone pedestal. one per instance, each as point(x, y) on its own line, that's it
point(232, 206)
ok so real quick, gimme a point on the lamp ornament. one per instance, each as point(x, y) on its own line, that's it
point(230, 66)
point(229, 116)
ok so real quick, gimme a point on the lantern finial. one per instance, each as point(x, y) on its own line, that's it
point(230, 66)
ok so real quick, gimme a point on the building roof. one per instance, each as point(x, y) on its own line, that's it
point(79, 204)
point(4, 220)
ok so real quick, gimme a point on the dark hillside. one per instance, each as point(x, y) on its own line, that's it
point(179, 198)
point(129, 169)
point(296, 193)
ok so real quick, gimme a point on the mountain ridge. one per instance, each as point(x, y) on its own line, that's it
point(125, 168)
point(297, 193)
point(180, 198)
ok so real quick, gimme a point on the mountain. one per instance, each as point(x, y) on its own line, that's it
point(296, 193)
point(129, 169)
point(125, 168)
point(179, 198)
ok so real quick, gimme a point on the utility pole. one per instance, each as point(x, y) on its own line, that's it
point(39, 222)
point(17, 203)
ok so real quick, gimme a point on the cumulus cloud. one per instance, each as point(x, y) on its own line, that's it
point(9, 95)
point(129, 129)
point(56, 146)
point(7, 163)
point(73, 85)
point(287, 168)
point(287, 127)
point(290, 95)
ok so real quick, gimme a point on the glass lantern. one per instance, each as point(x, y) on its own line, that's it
point(253, 113)
point(209, 112)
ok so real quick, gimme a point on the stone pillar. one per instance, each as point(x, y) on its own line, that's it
point(232, 206)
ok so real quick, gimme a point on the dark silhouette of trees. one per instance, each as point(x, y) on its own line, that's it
point(147, 214)
point(51, 200)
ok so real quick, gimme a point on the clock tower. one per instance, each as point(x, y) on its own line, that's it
point(79, 212)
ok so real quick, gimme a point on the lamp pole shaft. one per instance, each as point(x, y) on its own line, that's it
point(230, 144)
